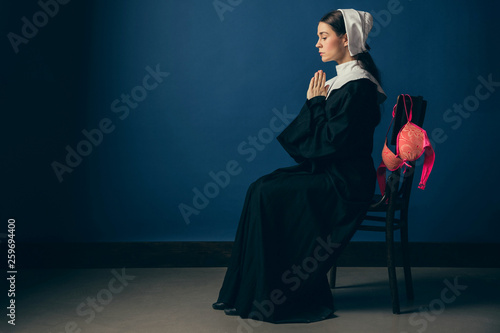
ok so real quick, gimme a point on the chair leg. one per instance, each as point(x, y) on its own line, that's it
point(333, 275)
point(390, 261)
point(406, 256)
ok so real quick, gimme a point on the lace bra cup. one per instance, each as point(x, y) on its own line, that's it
point(412, 142)
point(391, 161)
point(410, 146)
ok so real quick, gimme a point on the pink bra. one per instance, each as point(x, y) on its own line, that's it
point(412, 142)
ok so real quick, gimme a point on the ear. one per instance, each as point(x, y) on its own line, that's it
point(345, 40)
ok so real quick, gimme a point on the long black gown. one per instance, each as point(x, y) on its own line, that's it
point(296, 220)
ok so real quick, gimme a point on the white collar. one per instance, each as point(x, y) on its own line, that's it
point(351, 71)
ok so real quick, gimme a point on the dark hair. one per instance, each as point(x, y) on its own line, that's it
point(336, 20)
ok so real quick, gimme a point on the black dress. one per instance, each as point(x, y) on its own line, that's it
point(296, 220)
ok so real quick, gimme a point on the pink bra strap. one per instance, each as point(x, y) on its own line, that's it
point(394, 109)
point(428, 162)
point(381, 177)
point(411, 107)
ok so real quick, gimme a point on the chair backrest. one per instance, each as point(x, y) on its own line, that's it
point(404, 181)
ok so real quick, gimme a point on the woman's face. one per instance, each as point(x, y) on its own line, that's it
point(330, 46)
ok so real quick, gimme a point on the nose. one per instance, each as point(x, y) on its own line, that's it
point(318, 44)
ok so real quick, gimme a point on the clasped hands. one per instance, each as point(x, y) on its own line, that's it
point(317, 85)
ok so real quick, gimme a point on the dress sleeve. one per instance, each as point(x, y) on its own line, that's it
point(321, 129)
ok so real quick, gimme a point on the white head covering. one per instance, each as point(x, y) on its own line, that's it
point(357, 25)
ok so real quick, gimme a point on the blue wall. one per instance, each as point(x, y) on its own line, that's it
point(227, 80)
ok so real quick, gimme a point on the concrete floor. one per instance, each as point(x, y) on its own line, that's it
point(179, 300)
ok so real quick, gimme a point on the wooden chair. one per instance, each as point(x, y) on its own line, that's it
point(396, 198)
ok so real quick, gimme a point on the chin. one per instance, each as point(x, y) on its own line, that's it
point(326, 59)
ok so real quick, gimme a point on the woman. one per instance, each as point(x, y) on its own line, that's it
point(296, 220)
